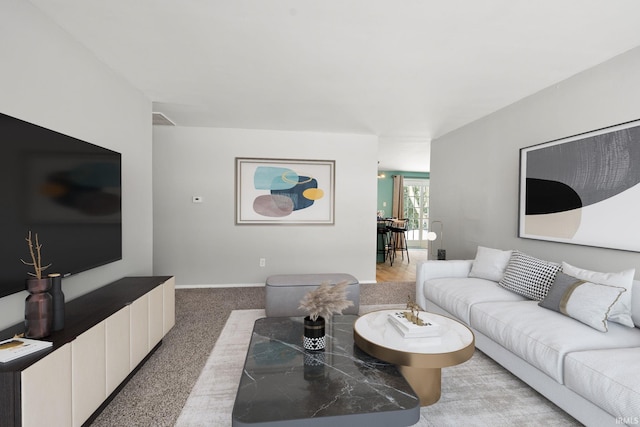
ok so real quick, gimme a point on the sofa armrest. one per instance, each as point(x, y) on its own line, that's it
point(437, 269)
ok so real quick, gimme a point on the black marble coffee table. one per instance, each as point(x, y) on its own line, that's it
point(284, 385)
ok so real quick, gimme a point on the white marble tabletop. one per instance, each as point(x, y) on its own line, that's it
point(376, 328)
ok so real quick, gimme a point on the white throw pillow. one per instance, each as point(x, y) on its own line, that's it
point(490, 263)
point(587, 302)
point(621, 310)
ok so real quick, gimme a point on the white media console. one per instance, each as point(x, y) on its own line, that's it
point(108, 334)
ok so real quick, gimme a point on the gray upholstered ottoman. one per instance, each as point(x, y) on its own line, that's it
point(284, 292)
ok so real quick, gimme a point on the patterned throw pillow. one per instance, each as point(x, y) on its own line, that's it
point(589, 303)
point(528, 276)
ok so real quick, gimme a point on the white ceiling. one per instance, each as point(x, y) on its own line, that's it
point(405, 70)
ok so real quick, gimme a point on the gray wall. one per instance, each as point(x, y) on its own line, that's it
point(474, 170)
point(47, 78)
point(200, 243)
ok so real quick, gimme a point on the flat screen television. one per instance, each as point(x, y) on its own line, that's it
point(67, 191)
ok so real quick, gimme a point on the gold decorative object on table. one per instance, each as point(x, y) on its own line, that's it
point(414, 323)
point(413, 315)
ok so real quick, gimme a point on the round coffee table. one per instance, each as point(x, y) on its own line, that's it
point(420, 360)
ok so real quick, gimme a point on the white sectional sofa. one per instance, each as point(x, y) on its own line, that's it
point(594, 375)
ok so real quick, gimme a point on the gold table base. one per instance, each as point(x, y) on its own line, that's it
point(425, 382)
point(422, 370)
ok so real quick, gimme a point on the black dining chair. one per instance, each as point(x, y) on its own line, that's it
point(399, 229)
point(384, 242)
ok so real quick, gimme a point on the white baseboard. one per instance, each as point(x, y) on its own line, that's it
point(239, 285)
point(222, 285)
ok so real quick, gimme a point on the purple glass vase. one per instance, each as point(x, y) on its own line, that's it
point(38, 308)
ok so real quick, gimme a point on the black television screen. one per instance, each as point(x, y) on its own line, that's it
point(67, 191)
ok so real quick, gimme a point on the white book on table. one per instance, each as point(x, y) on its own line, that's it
point(408, 329)
point(14, 348)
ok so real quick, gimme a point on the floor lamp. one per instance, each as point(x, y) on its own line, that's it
point(432, 236)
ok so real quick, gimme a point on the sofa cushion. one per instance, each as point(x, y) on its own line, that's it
point(608, 378)
point(283, 292)
point(543, 337)
point(456, 295)
point(621, 311)
point(490, 263)
point(635, 303)
point(529, 276)
point(584, 301)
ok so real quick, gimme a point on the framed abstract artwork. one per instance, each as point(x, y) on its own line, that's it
point(285, 191)
point(584, 189)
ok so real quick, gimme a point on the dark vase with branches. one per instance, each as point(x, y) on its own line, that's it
point(38, 305)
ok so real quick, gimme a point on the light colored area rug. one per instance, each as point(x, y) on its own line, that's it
point(478, 392)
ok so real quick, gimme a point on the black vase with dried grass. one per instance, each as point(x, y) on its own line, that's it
point(321, 303)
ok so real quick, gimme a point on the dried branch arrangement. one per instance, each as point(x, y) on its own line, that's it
point(36, 257)
point(326, 300)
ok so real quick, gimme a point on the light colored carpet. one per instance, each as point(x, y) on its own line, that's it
point(478, 392)
point(156, 394)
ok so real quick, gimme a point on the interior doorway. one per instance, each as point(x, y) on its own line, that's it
point(416, 210)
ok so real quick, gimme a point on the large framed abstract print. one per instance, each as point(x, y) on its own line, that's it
point(284, 191)
point(584, 189)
